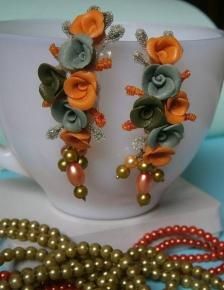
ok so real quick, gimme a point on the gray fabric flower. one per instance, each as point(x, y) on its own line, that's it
point(166, 136)
point(72, 119)
point(52, 81)
point(161, 81)
point(147, 113)
point(76, 53)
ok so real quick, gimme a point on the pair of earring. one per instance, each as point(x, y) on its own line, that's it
point(71, 92)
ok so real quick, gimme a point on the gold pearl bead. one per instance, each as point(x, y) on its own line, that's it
point(66, 272)
point(8, 255)
point(158, 175)
point(130, 286)
point(160, 258)
point(143, 199)
point(42, 240)
point(15, 281)
point(11, 232)
point(164, 276)
point(151, 252)
point(205, 287)
point(41, 274)
point(20, 254)
point(80, 192)
point(44, 229)
point(59, 256)
point(28, 276)
point(216, 282)
point(41, 254)
point(83, 162)
point(22, 235)
point(79, 282)
point(98, 263)
point(3, 232)
point(52, 243)
point(133, 253)
point(124, 282)
point(116, 271)
point(70, 155)
point(197, 271)
point(34, 225)
point(5, 223)
point(54, 273)
point(4, 285)
point(168, 266)
point(174, 275)
point(155, 274)
point(107, 264)
point(54, 232)
point(62, 164)
point(83, 248)
point(89, 286)
point(70, 250)
point(139, 280)
point(2, 260)
point(78, 269)
point(116, 255)
point(146, 270)
point(94, 249)
point(31, 253)
point(196, 285)
point(27, 287)
point(93, 277)
point(131, 161)
point(24, 223)
point(143, 166)
point(186, 281)
point(32, 236)
point(101, 281)
point(106, 251)
point(88, 266)
point(206, 276)
point(144, 287)
point(63, 238)
point(14, 222)
point(185, 267)
point(171, 285)
point(49, 261)
point(132, 271)
point(122, 171)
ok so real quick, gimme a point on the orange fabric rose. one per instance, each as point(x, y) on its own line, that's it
point(158, 156)
point(164, 50)
point(81, 90)
point(79, 141)
point(176, 108)
point(90, 23)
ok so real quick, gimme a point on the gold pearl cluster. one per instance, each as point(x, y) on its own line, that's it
point(133, 161)
point(70, 155)
point(92, 266)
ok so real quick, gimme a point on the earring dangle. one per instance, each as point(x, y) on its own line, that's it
point(71, 90)
point(160, 110)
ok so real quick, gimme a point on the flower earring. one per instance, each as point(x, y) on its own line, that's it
point(160, 110)
point(71, 89)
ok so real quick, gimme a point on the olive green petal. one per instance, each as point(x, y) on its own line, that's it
point(148, 101)
point(157, 120)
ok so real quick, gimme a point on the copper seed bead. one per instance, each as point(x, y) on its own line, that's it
point(106, 251)
point(41, 274)
point(32, 236)
point(41, 254)
point(44, 229)
point(15, 281)
point(70, 250)
point(59, 256)
point(34, 225)
point(8, 254)
point(54, 273)
point(53, 243)
point(22, 235)
point(24, 223)
point(31, 253)
point(116, 255)
point(94, 249)
point(4, 285)
point(62, 164)
point(197, 271)
point(83, 248)
point(70, 155)
point(155, 274)
point(42, 239)
point(11, 232)
point(132, 271)
point(78, 269)
point(66, 272)
point(185, 267)
point(20, 253)
point(83, 162)
point(88, 266)
point(186, 281)
point(28, 276)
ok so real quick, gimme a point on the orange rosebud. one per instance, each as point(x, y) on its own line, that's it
point(164, 49)
point(54, 50)
point(128, 126)
point(90, 23)
point(158, 156)
point(79, 141)
point(81, 88)
point(176, 108)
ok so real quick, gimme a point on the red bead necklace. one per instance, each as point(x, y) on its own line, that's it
point(191, 236)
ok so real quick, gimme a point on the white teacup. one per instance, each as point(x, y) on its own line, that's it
point(24, 45)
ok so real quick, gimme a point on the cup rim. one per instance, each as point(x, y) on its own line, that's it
point(156, 29)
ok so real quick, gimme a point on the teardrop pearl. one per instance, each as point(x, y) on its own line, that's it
point(143, 182)
point(75, 174)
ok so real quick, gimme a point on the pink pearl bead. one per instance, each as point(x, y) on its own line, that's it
point(75, 174)
point(143, 182)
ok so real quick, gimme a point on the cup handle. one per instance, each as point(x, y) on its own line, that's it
point(9, 161)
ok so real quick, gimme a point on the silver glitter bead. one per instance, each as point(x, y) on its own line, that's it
point(94, 7)
point(115, 33)
point(141, 37)
point(138, 144)
point(108, 18)
point(97, 132)
point(139, 57)
point(53, 133)
point(168, 33)
point(65, 28)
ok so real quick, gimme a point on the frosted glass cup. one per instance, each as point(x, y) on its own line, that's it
point(24, 45)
